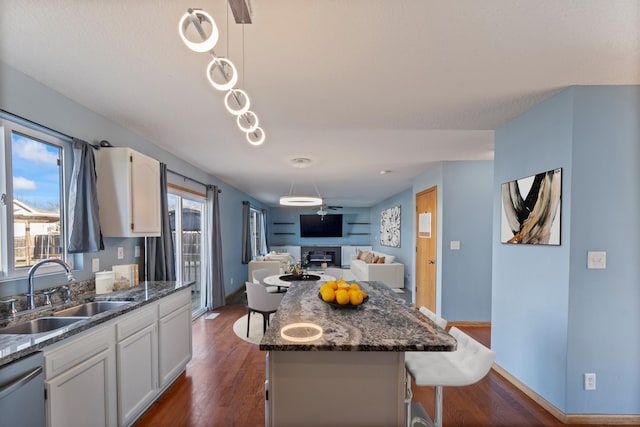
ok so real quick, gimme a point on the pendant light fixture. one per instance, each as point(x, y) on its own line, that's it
point(221, 72)
point(298, 200)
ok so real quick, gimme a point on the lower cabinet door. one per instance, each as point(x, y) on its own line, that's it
point(175, 343)
point(137, 373)
point(80, 397)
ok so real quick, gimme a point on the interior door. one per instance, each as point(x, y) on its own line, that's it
point(426, 247)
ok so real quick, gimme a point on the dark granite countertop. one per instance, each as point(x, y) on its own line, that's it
point(14, 347)
point(384, 323)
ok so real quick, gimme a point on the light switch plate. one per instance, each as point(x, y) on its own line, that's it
point(596, 260)
point(136, 251)
point(95, 265)
point(120, 253)
point(454, 245)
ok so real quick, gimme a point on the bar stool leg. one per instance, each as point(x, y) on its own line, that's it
point(437, 418)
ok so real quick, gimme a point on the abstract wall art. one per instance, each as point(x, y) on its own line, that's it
point(390, 227)
point(531, 209)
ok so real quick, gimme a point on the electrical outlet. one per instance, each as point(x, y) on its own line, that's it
point(95, 265)
point(136, 251)
point(120, 253)
point(589, 381)
point(454, 245)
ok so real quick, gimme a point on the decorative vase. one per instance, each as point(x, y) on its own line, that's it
point(297, 272)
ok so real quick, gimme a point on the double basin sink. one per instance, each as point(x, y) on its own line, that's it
point(62, 318)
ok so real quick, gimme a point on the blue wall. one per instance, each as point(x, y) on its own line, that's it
point(604, 305)
point(464, 214)
point(467, 218)
point(405, 253)
point(292, 215)
point(25, 97)
point(531, 283)
point(553, 319)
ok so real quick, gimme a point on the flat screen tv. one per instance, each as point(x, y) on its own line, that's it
point(321, 226)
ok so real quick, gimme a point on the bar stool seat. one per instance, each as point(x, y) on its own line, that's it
point(468, 364)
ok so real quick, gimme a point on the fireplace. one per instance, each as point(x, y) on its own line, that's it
point(316, 255)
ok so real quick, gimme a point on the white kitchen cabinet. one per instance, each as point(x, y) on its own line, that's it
point(136, 361)
point(174, 330)
point(128, 193)
point(80, 381)
point(110, 374)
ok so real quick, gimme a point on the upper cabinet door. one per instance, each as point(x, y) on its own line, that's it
point(145, 194)
point(128, 193)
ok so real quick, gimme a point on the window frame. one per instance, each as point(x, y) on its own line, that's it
point(8, 126)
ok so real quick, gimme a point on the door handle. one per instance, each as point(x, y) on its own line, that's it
point(431, 261)
point(14, 385)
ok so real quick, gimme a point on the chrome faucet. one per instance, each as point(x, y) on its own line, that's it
point(31, 302)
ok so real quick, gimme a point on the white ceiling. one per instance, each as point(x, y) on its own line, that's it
point(356, 85)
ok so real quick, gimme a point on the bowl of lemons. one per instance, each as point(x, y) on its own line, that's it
point(341, 294)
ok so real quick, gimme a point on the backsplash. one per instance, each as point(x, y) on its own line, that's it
point(80, 291)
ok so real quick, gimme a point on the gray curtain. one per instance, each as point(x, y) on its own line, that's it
point(215, 273)
point(84, 219)
point(246, 233)
point(160, 253)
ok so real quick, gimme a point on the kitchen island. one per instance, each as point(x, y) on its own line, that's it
point(352, 371)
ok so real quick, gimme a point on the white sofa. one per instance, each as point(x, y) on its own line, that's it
point(390, 273)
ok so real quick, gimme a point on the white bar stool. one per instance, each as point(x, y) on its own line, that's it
point(467, 365)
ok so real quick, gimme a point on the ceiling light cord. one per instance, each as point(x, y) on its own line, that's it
point(255, 135)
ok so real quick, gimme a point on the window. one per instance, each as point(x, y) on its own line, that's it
point(258, 233)
point(186, 216)
point(32, 188)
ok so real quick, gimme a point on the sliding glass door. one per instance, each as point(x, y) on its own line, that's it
point(186, 215)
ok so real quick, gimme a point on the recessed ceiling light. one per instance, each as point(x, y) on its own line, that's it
point(384, 172)
point(301, 162)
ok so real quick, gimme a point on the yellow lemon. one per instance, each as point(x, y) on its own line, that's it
point(333, 285)
point(325, 286)
point(342, 297)
point(354, 286)
point(328, 295)
point(343, 285)
point(355, 297)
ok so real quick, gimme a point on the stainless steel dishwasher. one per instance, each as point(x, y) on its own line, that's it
point(22, 392)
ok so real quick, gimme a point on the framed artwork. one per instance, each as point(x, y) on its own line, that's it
point(531, 209)
point(390, 227)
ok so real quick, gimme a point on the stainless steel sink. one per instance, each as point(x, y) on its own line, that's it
point(42, 324)
point(91, 308)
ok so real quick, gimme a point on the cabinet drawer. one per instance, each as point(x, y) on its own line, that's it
point(174, 302)
point(135, 322)
point(76, 351)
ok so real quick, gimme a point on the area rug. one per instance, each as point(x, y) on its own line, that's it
point(255, 329)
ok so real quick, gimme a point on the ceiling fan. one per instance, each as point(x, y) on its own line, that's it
point(324, 209)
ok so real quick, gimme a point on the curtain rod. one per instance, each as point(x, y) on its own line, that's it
point(42, 128)
point(193, 180)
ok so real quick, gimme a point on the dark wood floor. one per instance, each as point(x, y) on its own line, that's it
point(224, 386)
